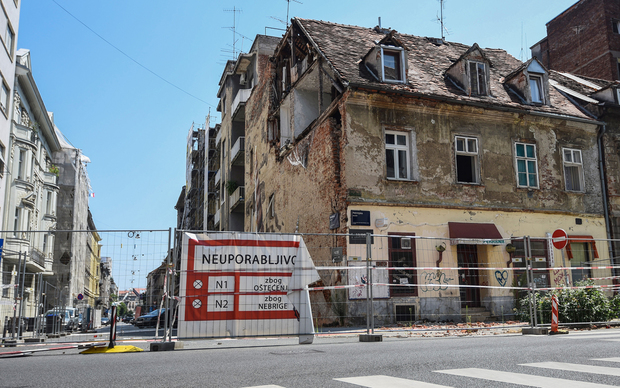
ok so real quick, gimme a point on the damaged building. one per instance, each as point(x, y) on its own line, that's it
point(367, 130)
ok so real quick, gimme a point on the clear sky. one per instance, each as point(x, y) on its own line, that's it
point(109, 99)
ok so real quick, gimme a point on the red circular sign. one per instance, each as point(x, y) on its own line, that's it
point(559, 238)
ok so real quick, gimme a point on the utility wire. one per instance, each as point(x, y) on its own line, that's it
point(127, 55)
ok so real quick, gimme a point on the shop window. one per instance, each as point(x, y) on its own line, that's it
point(402, 255)
point(540, 259)
point(581, 251)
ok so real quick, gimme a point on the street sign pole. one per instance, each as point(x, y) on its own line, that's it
point(559, 238)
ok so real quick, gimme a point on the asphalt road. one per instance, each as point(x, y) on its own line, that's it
point(586, 359)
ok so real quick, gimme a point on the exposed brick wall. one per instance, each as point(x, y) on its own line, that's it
point(580, 40)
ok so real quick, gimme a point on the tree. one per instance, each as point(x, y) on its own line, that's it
point(121, 309)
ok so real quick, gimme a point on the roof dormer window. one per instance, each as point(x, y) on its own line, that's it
point(392, 64)
point(538, 97)
point(477, 78)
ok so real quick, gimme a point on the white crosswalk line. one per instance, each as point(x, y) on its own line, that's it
point(521, 378)
point(380, 381)
point(600, 370)
point(266, 386)
point(590, 336)
point(610, 359)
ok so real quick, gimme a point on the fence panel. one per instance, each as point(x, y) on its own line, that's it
point(62, 283)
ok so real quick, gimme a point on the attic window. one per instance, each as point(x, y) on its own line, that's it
point(392, 64)
point(536, 89)
point(478, 78)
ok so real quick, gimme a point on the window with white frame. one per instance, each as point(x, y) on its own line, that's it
point(478, 78)
point(466, 150)
point(4, 97)
point(527, 165)
point(536, 90)
point(573, 169)
point(393, 66)
point(9, 38)
point(16, 221)
point(21, 164)
point(397, 155)
point(48, 203)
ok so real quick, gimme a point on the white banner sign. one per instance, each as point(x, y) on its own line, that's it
point(242, 284)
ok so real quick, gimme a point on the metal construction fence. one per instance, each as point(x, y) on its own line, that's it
point(400, 281)
point(67, 282)
point(56, 283)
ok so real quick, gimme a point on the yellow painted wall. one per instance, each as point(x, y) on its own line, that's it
point(430, 226)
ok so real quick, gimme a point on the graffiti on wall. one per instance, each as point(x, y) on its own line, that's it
point(501, 277)
point(435, 281)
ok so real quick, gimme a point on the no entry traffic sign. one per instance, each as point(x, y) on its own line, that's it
point(559, 238)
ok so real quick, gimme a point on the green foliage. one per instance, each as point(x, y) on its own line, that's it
point(579, 305)
point(121, 309)
point(54, 169)
point(231, 186)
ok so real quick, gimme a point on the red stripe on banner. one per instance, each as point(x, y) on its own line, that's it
point(236, 243)
point(249, 315)
point(249, 243)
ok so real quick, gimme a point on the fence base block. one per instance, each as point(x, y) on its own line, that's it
point(535, 331)
point(34, 339)
point(11, 343)
point(371, 338)
point(165, 346)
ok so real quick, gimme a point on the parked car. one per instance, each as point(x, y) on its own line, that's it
point(66, 321)
point(127, 319)
point(150, 319)
point(105, 321)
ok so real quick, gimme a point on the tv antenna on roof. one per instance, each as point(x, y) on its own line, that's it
point(440, 20)
point(288, 5)
point(234, 10)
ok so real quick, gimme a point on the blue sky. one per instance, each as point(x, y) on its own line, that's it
point(133, 125)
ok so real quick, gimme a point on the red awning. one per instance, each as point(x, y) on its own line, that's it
point(474, 231)
point(580, 239)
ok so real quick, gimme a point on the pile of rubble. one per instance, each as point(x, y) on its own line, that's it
point(453, 329)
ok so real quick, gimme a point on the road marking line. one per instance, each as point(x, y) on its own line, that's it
point(601, 370)
point(521, 378)
point(610, 359)
point(381, 381)
point(266, 386)
point(590, 336)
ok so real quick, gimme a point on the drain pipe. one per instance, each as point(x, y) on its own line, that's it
point(604, 189)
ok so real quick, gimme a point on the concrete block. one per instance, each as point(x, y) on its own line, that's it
point(164, 346)
point(371, 338)
point(534, 331)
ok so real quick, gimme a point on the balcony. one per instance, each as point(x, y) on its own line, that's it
point(237, 198)
point(237, 151)
point(238, 105)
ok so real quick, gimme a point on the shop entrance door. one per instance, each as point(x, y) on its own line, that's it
point(467, 256)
